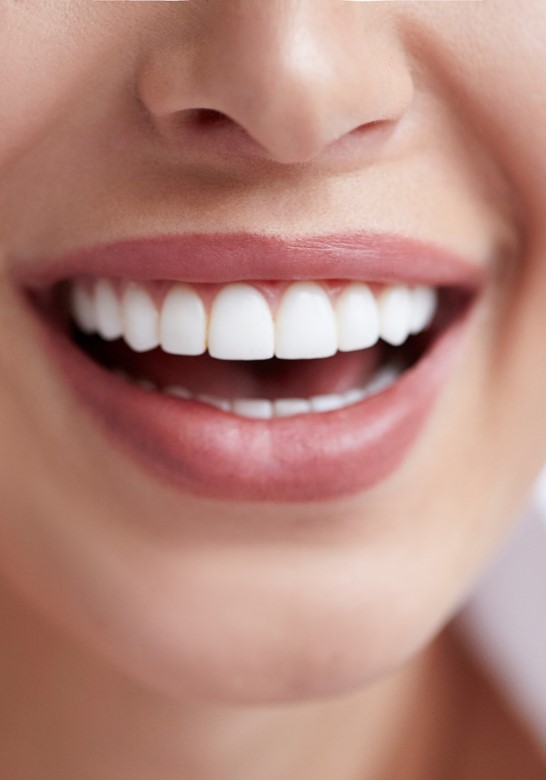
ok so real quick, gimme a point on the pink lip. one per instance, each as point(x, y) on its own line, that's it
point(309, 457)
point(230, 257)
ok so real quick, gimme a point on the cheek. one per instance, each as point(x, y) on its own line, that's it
point(498, 58)
point(494, 59)
point(48, 58)
point(36, 83)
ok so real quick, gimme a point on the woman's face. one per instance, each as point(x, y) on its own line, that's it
point(268, 559)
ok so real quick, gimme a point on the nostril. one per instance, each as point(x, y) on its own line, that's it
point(378, 125)
point(206, 117)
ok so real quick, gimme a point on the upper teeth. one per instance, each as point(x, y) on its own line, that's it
point(240, 325)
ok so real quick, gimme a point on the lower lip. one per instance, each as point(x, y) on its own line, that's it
point(210, 453)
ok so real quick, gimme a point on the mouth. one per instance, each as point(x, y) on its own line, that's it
point(304, 375)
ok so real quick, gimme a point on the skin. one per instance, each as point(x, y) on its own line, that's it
point(136, 615)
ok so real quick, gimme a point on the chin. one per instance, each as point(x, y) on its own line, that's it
point(244, 639)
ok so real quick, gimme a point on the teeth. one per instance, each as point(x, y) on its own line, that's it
point(354, 396)
point(257, 408)
point(264, 409)
point(424, 305)
point(327, 403)
point(107, 311)
point(178, 392)
point(357, 318)
point(83, 308)
point(306, 324)
point(395, 310)
point(288, 407)
point(183, 323)
point(383, 379)
point(241, 325)
point(140, 319)
point(219, 403)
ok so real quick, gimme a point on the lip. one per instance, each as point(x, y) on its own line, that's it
point(210, 453)
point(232, 257)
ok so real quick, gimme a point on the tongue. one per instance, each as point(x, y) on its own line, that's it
point(239, 379)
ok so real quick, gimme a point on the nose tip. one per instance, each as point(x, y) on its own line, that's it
point(290, 85)
point(301, 127)
point(297, 128)
point(290, 139)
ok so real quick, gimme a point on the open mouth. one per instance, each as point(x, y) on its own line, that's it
point(269, 383)
point(258, 351)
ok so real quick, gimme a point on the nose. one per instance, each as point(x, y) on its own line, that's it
point(293, 76)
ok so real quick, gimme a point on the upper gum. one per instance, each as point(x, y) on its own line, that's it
point(272, 291)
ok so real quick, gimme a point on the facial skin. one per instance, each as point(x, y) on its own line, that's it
point(243, 603)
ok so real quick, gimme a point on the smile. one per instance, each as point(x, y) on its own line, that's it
point(249, 368)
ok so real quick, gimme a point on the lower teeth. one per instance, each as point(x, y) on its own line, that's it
point(264, 409)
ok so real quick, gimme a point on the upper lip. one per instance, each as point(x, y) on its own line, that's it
point(230, 257)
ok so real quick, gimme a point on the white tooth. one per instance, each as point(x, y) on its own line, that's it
point(140, 319)
point(423, 308)
point(183, 322)
point(218, 403)
point(394, 314)
point(383, 379)
point(306, 323)
point(83, 307)
point(354, 396)
point(357, 318)
point(288, 407)
point(257, 408)
point(178, 392)
point(327, 403)
point(107, 311)
point(241, 325)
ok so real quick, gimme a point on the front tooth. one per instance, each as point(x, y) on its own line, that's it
point(83, 307)
point(306, 323)
point(140, 319)
point(357, 318)
point(395, 308)
point(288, 407)
point(107, 311)
point(257, 408)
point(183, 322)
point(241, 325)
point(424, 305)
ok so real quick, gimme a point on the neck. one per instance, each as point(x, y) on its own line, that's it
point(69, 715)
